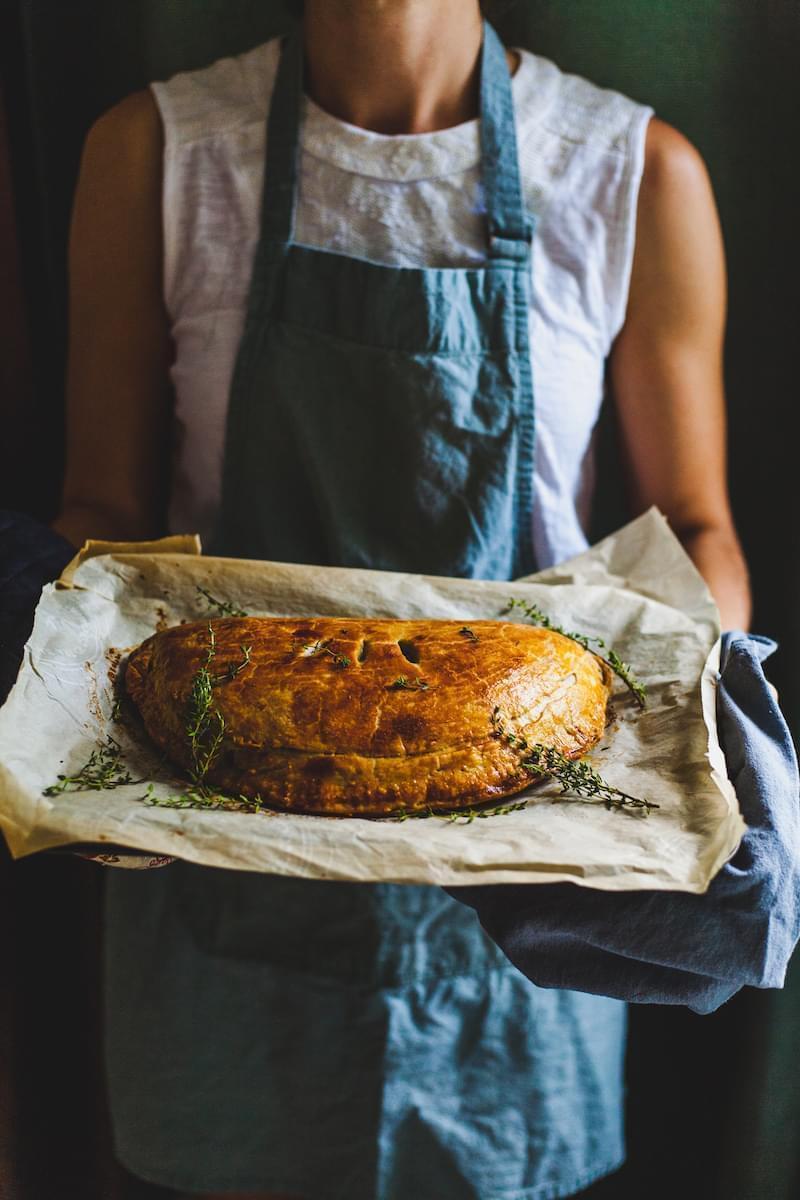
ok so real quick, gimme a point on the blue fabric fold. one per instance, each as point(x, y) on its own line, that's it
point(645, 947)
point(31, 555)
point(674, 947)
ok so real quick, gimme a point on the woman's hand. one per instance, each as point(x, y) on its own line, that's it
point(118, 392)
point(666, 368)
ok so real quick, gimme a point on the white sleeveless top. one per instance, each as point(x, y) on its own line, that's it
point(404, 200)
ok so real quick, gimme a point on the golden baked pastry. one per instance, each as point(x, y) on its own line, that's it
point(364, 717)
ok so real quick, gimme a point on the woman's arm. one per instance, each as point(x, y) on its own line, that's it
point(666, 368)
point(118, 393)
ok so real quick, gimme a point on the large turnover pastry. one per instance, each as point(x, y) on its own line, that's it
point(364, 717)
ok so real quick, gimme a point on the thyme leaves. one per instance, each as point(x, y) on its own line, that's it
point(205, 724)
point(465, 815)
point(576, 776)
point(468, 815)
point(203, 798)
point(404, 684)
point(624, 671)
point(236, 668)
point(613, 660)
point(579, 778)
point(322, 647)
point(221, 608)
point(339, 660)
point(102, 771)
point(535, 614)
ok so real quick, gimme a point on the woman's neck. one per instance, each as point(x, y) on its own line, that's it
point(394, 66)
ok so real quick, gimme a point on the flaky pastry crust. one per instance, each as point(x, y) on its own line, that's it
point(318, 721)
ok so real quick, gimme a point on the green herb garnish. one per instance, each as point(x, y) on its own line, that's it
point(402, 683)
point(620, 668)
point(204, 798)
point(627, 676)
point(205, 727)
point(222, 607)
point(102, 771)
point(466, 632)
point(575, 776)
point(205, 724)
point(339, 660)
point(403, 814)
point(467, 815)
point(236, 669)
point(578, 777)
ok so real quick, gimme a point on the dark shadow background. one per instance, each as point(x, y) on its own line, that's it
point(714, 1103)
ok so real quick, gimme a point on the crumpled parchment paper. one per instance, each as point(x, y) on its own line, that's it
point(637, 590)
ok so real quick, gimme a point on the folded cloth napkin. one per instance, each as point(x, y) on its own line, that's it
point(675, 947)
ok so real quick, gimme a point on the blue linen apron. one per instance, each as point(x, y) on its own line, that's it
point(362, 1041)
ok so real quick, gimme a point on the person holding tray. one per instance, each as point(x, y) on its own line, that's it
point(389, 354)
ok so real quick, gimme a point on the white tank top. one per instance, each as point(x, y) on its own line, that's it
point(404, 200)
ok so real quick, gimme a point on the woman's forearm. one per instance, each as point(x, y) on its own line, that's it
point(78, 523)
point(717, 554)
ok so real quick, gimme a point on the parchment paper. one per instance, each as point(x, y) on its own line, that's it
point(637, 590)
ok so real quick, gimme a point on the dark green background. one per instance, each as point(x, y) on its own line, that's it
point(715, 1106)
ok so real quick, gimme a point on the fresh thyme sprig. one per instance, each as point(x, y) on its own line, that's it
point(235, 669)
point(408, 814)
point(205, 724)
point(620, 668)
point(222, 607)
point(623, 670)
point(204, 798)
point(339, 660)
point(403, 683)
point(534, 613)
point(579, 778)
point(575, 776)
point(102, 771)
point(467, 815)
point(320, 647)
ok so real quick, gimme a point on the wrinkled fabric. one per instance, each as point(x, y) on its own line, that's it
point(673, 947)
point(380, 416)
point(31, 555)
point(231, 1072)
point(407, 200)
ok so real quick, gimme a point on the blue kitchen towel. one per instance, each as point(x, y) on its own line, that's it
point(676, 947)
point(657, 947)
point(31, 555)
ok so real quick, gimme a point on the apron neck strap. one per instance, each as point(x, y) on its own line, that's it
point(283, 139)
point(510, 229)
